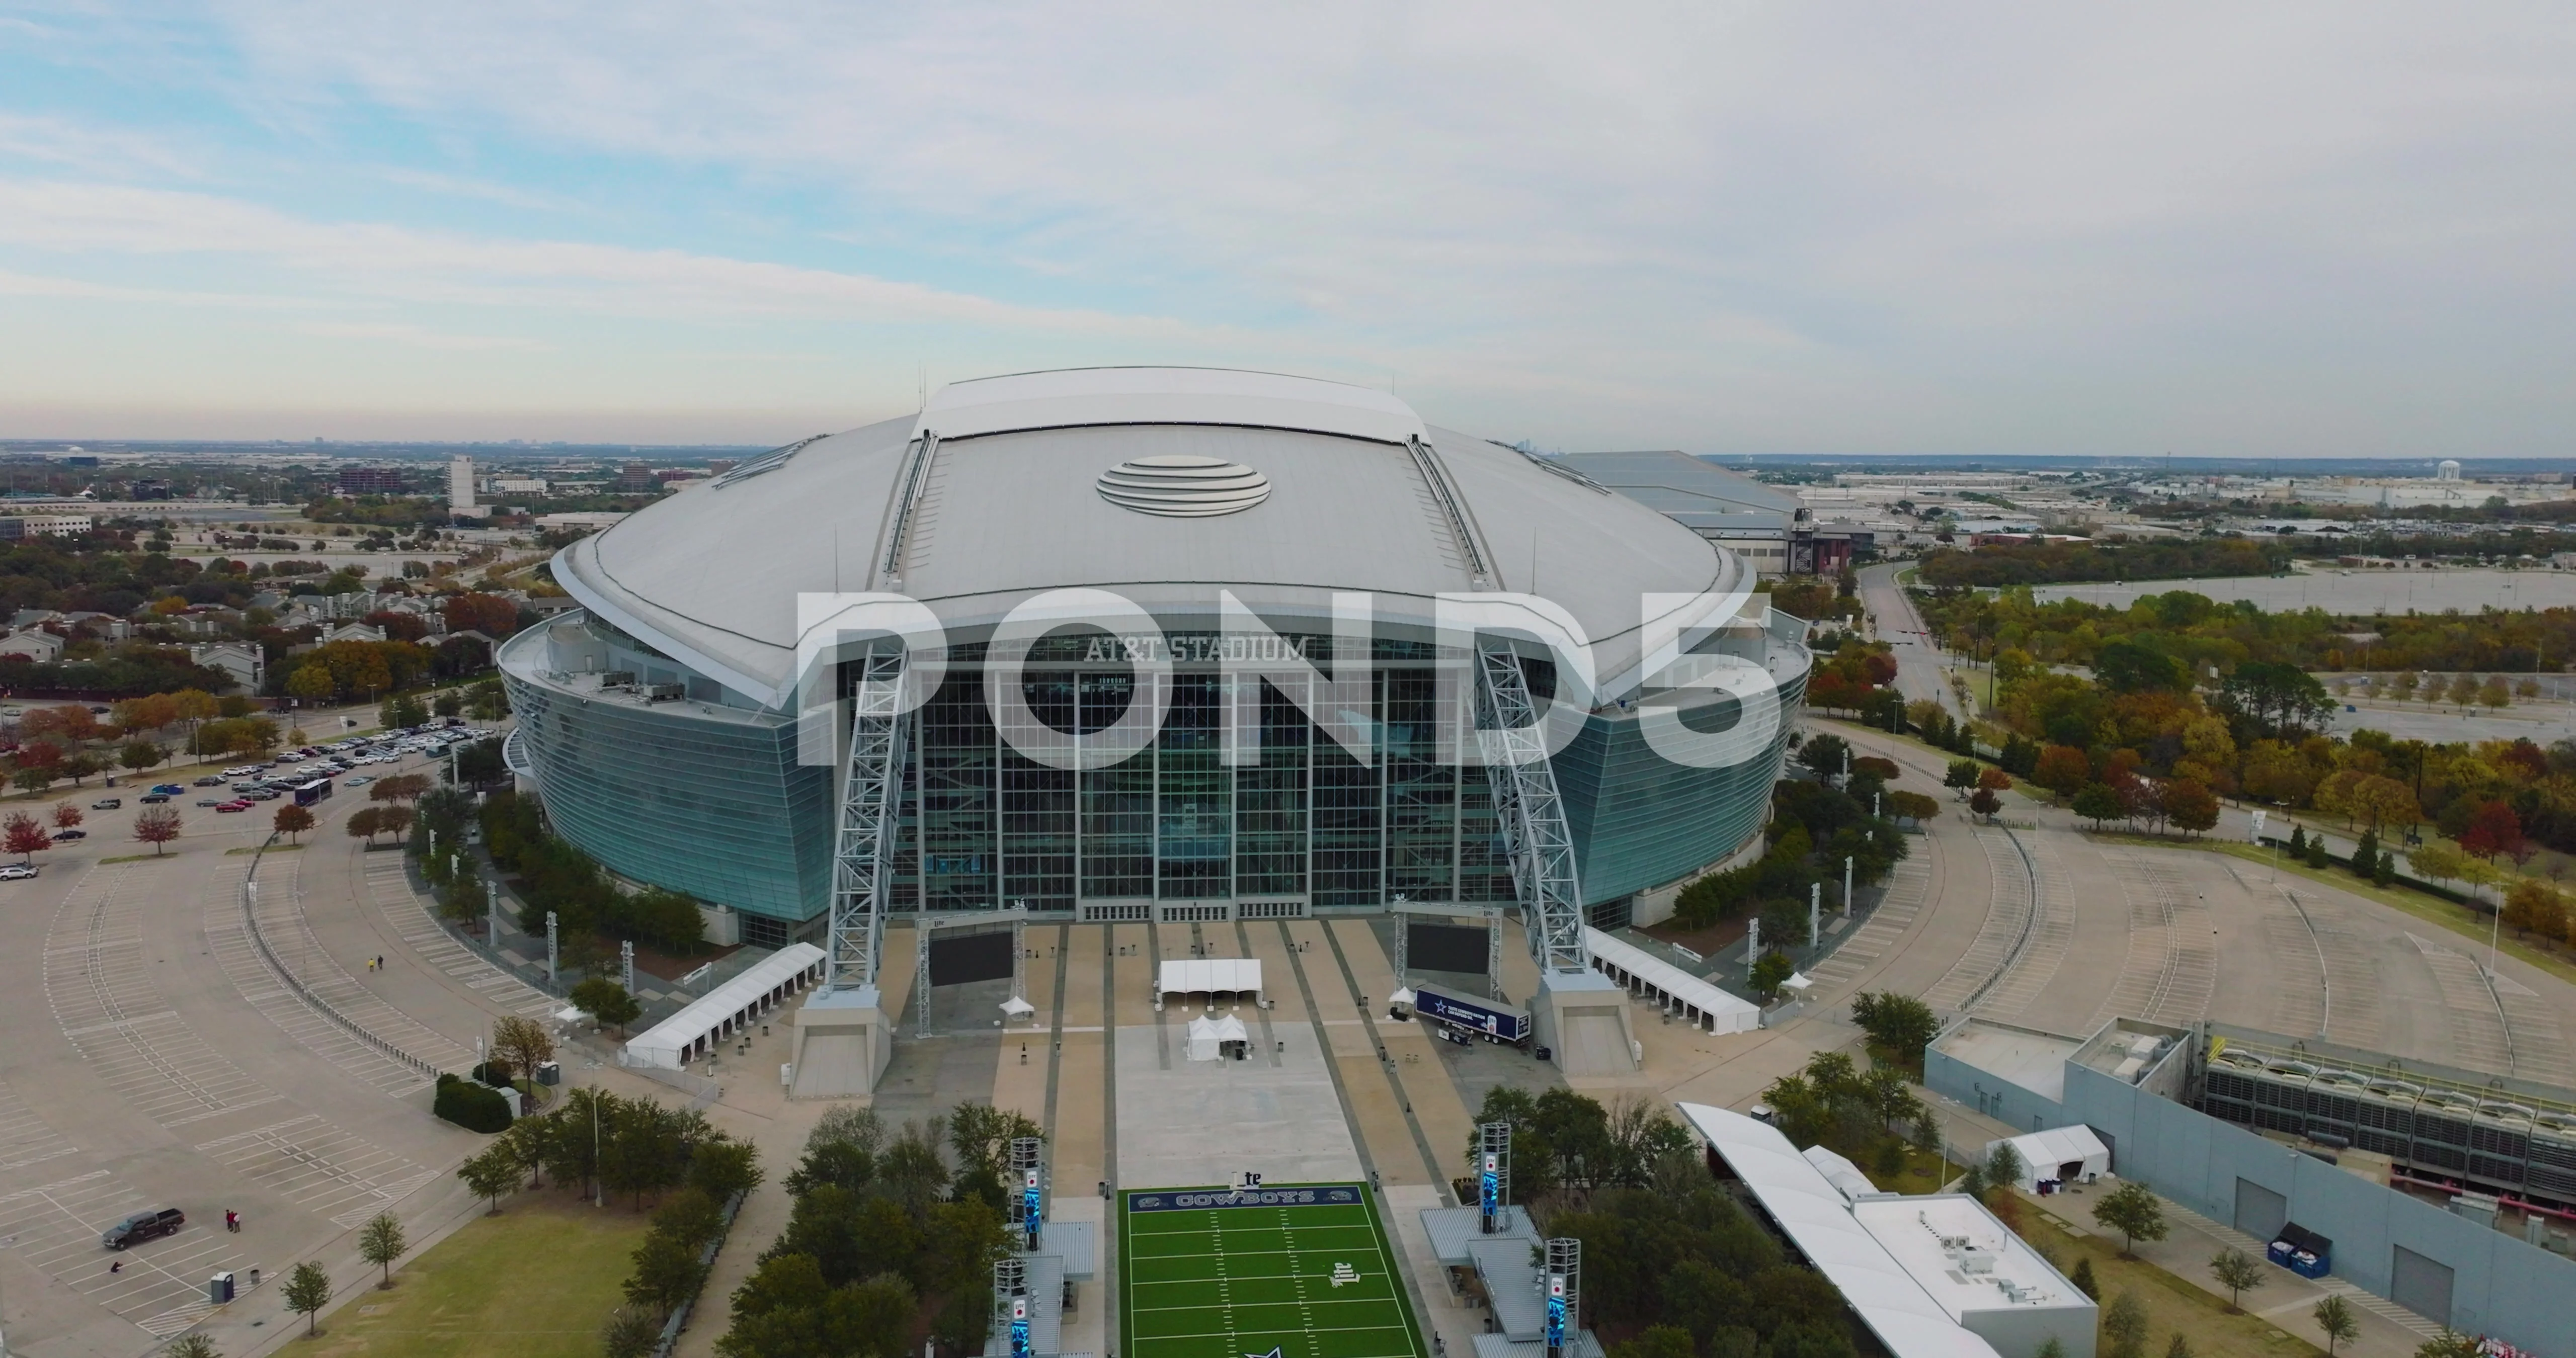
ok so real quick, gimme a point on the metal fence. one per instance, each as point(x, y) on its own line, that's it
point(303, 992)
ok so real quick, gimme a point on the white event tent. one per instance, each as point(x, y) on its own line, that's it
point(1209, 976)
point(711, 1018)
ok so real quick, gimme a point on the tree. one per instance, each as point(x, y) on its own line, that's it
point(2334, 1316)
point(2134, 1212)
point(1985, 803)
point(1900, 1023)
point(2239, 1273)
point(381, 1242)
point(2448, 1344)
point(32, 778)
point(607, 1003)
point(312, 683)
point(492, 1173)
point(2365, 854)
point(1913, 806)
point(24, 837)
point(2124, 1323)
point(67, 815)
point(666, 1273)
point(1770, 972)
point(629, 1333)
point(2180, 1347)
point(81, 766)
point(1825, 756)
point(522, 1042)
point(2277, 697)
point(366, 821)
point(1962, 774)
point(489, 614)
point(393, 820)
point(2493, 829)
point(2191, 807)
point(2083, 1278)
point(401, 711)
point(2062, 769)
point(156, 826)
point(2436, 860)
point(2098, 803)
point(293, 820)
point(308, 1290)
point(197, 1345)
point(139, 755)
point(2003, 1165)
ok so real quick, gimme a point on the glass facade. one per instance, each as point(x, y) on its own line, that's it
point(710, 800)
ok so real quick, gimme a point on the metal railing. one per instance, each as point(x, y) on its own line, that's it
point(295, 984)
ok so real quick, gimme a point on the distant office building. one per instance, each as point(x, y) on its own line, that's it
point(24, 526)
point(460, 484)
point(371, 481)
point(636, 479)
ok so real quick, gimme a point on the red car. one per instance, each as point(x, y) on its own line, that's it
point(234, 805)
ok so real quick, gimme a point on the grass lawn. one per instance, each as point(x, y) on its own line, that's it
point(1300, 1270)
point(2172, 1303)
point(537, 1281)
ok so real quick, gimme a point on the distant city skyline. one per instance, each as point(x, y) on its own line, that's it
point(2295, 231)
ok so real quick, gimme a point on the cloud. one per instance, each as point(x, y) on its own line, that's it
point(85, 219)
point(400, 333)
point(92, 149)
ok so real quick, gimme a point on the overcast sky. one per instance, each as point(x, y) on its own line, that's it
point(2266, 229)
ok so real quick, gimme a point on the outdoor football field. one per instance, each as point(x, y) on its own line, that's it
point(1299, 1269)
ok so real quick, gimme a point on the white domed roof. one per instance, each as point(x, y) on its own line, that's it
point(1114, 479)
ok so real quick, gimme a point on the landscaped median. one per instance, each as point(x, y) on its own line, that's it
point(539, 1280)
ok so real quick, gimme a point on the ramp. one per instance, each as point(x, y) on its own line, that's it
point(1594, 1044)
point(832, 1065)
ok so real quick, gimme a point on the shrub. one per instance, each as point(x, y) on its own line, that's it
point(471, 1106)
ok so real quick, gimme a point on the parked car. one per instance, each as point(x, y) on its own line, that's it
point(61, 835)
point(201, 801)
point(360, 781)
point(142, 1226)
point(168, 789)
point(107, 804)
point(16, 872)
point(211, 780)
point(153, 798)
point(234, 805)
point(266, 794)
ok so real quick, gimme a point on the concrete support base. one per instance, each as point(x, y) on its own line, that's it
point(1582, 1018)
point(844, 1039)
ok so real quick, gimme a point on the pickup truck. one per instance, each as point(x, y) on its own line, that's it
point(142, 1226)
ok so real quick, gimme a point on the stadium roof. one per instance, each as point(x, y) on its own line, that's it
point(1690, 490)
point(1013, 503)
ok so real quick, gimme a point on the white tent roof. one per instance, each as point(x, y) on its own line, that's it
point(1732, 1015)
point(1838, 1171)
point(2046, 1150)
point(1018, 1008)
point(1819, 1221)
point(662, 1044)
point(1211, 975)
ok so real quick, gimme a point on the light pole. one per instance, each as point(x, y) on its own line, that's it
point(1847, 886)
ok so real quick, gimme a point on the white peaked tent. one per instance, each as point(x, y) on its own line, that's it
point(2050, 1154)
point(1208, 1036)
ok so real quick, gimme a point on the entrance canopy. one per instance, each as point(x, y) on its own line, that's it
point(1209, 1037)
point(1210, 976)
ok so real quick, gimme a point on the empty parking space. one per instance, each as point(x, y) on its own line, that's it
point(228, 936)
point(98, 982)
point(27, 1140)
point(320, 1168)
point(389, 882)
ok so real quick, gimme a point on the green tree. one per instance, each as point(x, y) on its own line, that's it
point(666, 1273)
point(2334, 1316)
point(2180, 1347)
point(494, 1172)
point(1770, 972)
point(2097, 803)
point(1962, 774)
point(2124, 1324)
point(197, 1345)
point(2083, 1278)
point(2003, 1165)
point(139, 755)
point(629, 1333)
point(308, 1290)
point(2448, 1344)
point(381, 1242)
point(2239, 1273)
point(1658, 1341)
point(607, 1003)
point(2134, 1212)
point(401, 711)
point(2365, 854)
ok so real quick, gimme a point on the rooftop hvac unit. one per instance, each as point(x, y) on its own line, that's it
point(664, 693)
point(617, 679)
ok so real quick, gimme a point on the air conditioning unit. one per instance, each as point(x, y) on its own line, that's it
point(664, 693)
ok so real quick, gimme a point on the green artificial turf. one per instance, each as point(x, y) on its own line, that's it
point(1303, 1269)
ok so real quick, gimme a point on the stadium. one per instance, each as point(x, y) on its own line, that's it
point(669, 725)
